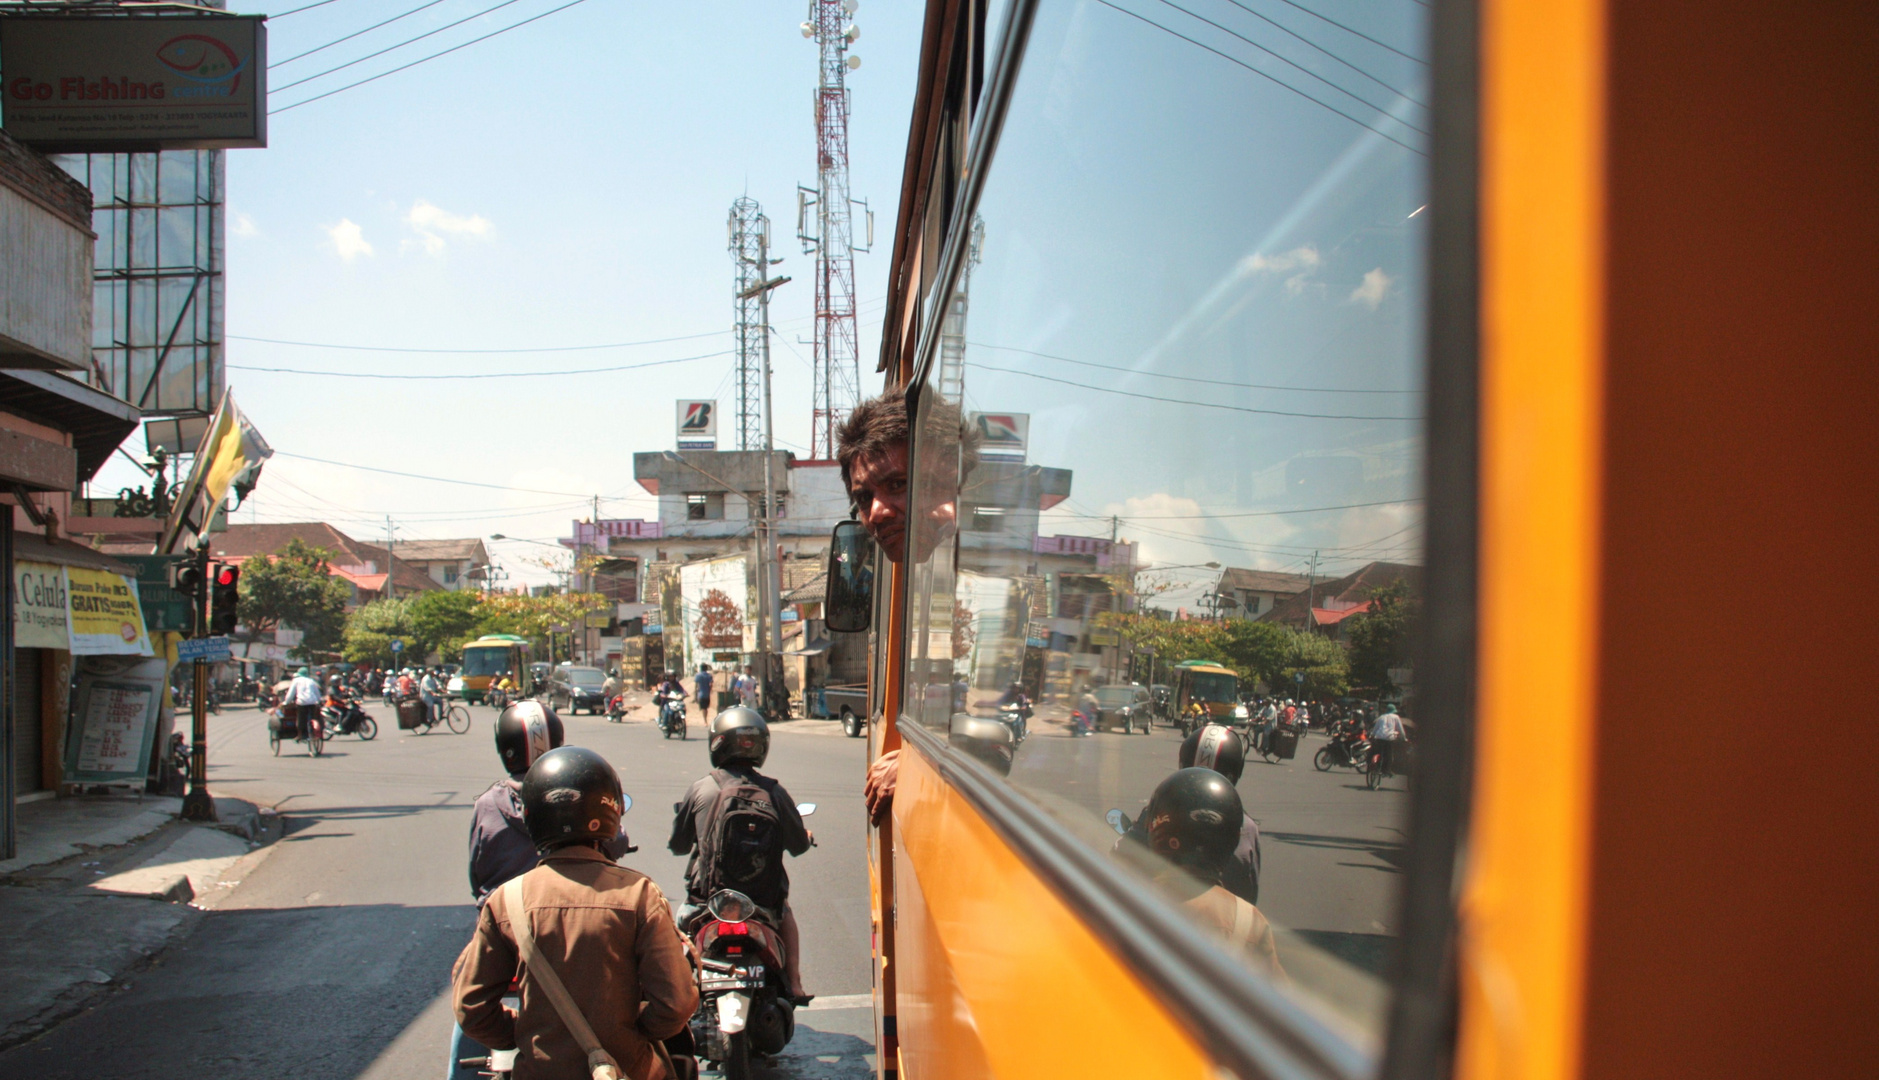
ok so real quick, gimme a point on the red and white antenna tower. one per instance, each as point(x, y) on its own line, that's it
point(830, 235)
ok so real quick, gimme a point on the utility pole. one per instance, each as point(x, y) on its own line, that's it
point(198, 804)
point(1311, 596)
point(391, 587)
point(769, 573)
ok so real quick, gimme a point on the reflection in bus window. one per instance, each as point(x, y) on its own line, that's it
point(1170, 451)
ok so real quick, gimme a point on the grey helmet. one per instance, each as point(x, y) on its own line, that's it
point(739, 734)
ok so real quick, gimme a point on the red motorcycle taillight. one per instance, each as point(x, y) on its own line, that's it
point(733, 928)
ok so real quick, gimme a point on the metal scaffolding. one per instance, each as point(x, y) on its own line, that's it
point(836, 377)
point(749, 233)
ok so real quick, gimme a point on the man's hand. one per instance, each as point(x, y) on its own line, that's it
point(883, 777)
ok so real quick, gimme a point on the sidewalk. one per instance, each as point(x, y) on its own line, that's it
point(100, 887)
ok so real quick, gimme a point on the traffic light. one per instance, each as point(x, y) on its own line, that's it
point(186, 578)
point(224, 595)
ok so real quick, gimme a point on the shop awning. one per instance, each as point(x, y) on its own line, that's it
point(815, 648)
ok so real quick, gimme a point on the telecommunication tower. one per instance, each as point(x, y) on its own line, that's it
point(830, 235)
point(749, 233)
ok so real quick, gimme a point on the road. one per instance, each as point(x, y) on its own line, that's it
point(331, 957)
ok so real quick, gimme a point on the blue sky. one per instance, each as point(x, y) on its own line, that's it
point(566, 183)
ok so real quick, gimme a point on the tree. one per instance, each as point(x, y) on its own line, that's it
point(1258, 651)
point(532, 617)
point(1381, 638)
point(1322, 662)
point(371, 629)
point(443, 621)
point(295, 588)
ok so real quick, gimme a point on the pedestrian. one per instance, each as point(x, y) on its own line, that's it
point(701, 688)
point(606, 933)
point(747, 689)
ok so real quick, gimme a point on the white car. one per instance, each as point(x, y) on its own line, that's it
point(454, 688)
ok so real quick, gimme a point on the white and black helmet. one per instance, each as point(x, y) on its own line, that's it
point(1213, 746)
point(524, 732)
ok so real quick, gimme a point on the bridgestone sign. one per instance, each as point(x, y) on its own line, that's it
point(105, 84)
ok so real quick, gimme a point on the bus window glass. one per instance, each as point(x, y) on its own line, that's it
point(1168, 464)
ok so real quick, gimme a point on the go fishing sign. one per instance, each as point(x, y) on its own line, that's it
point(109, 83)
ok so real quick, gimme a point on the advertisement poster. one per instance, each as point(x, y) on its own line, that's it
point(111, 83)
point(714, 594)
point(104, 612)
point(39, 606)
point(113, 727)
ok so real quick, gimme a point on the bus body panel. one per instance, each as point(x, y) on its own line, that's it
point(997, 976)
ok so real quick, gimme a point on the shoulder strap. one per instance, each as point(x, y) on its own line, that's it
point(1242, 923)
point(599, 1063)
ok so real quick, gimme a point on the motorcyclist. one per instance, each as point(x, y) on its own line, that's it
point(671, 689)
point(1220, 748)
point(1191, 826)
point(1014, 696)
point(606, 930)
point(739, 742)
point(1086, 704)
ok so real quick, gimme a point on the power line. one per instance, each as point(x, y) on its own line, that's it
point(1266, 75)
point(437, 479)
point(1348, 30)
point(467, 352)
point(433, 56)
point(1184, 401)
point(1186, 378)
point(1300, 67)
point(1207, 516)
point(391, 48)
point(483, 375)
point(354, 34)
point(1320, 48)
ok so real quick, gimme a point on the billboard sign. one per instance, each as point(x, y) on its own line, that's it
point(698, 425)
point(112, 83)
point(1002, 436)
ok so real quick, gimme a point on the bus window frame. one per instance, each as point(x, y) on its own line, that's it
point(1218, 999)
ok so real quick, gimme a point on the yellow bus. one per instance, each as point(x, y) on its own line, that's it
point(490, 656)
point(1214, 688)
point(1565, 306)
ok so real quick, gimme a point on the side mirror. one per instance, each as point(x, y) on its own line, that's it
point(1118, 821)
point(626, 802)
point(848, 605)
point(805, 809)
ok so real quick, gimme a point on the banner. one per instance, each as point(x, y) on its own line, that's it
point(39, 620)
point(230, 457)
point(110, 83)
point(105, 615)
point(698, 425)
point(113, 729)
point(87, 612)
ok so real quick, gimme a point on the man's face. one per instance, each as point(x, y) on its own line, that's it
point(877, 483)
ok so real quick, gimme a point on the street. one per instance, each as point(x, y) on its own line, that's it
point(331, 957)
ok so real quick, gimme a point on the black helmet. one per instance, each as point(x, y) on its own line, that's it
point(739, 734)
point(1215, 747)
point(524, 732)
point(990, 741)
point(1194, 821)
point(570, 796)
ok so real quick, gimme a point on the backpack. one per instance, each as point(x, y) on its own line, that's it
point(741, 844)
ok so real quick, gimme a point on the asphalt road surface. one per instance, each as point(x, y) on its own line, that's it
point(331, 958)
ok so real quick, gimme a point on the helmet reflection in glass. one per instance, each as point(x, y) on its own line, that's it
point(739, 734)
point(571, 796)
point(1194, 820)
point(1216, 747)
point(525, 731)
point(990, 741)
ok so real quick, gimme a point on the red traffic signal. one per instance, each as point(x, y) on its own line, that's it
point(224, 598)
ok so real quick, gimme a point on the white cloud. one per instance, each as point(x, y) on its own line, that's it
point(244, 225)
point(1376, 284)
point(348, 239)
point(432, 223)
point(1300, 258)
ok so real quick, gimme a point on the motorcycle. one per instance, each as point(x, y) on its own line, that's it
point(1080, 724)
point(1016, 715)
point(743, 1000)
point(616, 709)
point(1348, 747)
point(496, 698)
point(672, 715)
point(343, 716)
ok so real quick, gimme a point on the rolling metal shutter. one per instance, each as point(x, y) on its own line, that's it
point(26, 722)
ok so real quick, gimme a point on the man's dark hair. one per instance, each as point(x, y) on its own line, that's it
point(881, 422)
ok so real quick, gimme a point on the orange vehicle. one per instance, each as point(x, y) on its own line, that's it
point(1482, 329)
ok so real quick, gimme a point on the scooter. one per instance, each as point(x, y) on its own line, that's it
point(672, 715)
point(1016, 716)
point(743, 1002)
point(343, 716)
point(616, 709)
point(1080, 724)
point(1349, 747)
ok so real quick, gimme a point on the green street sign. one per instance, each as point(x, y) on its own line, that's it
point(164, 607)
